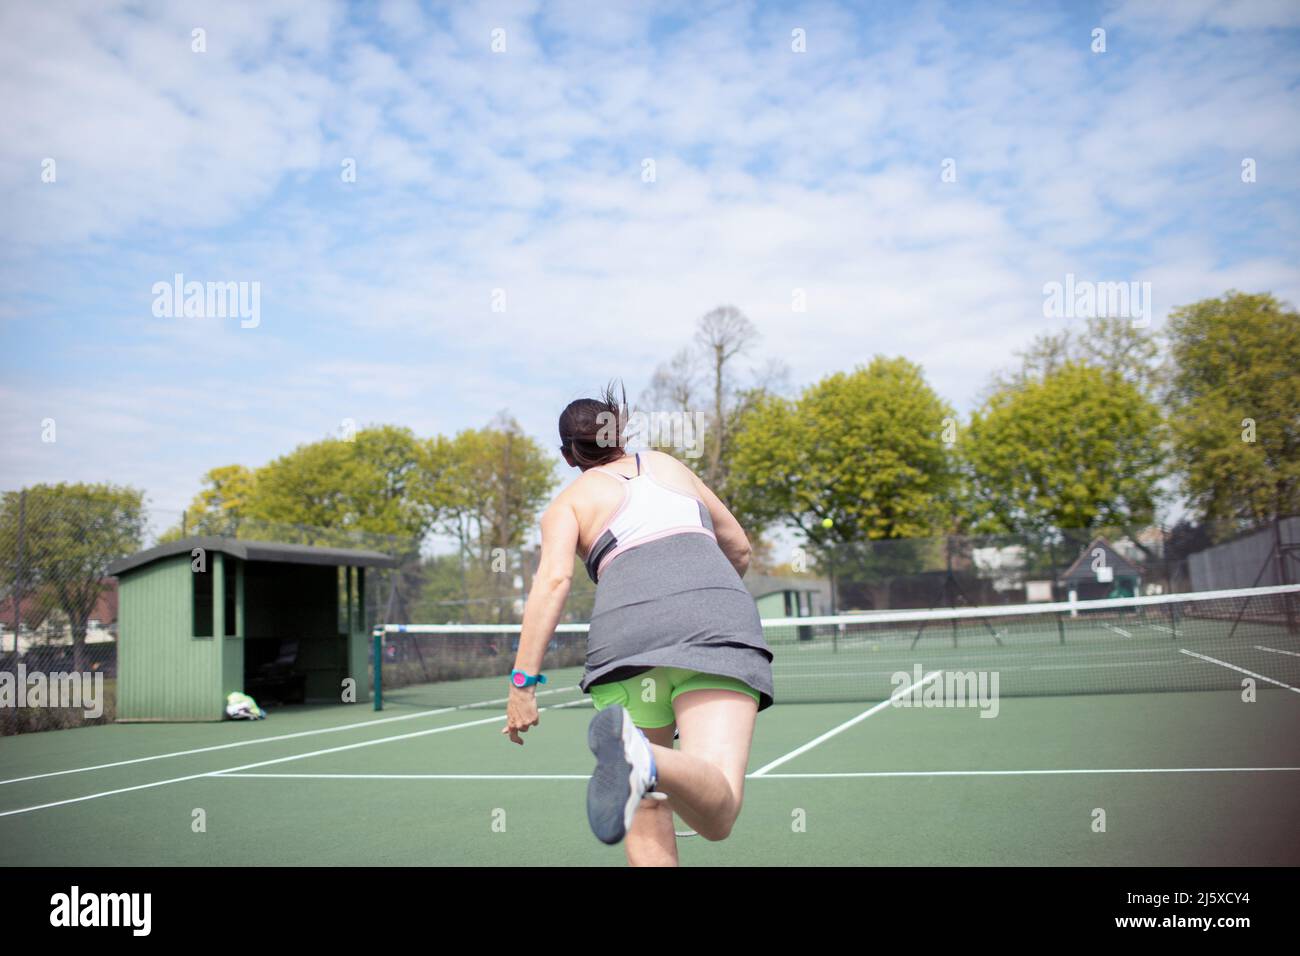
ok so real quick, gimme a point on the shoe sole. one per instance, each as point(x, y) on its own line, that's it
point(610, 789)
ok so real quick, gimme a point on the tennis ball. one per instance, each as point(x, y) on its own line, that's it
point(827, 522)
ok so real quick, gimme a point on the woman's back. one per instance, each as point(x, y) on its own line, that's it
point(668, 592)
point(649, 505)
point(644, 495)
point(599, 492)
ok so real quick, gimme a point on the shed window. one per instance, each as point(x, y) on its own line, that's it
point(232, 571)
point(201, 581)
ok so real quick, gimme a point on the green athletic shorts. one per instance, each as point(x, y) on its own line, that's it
point(649, 696)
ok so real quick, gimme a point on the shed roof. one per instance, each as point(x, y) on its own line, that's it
point(1081, 569)
point(255, 551)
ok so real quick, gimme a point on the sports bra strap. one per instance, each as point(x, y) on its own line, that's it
point(616, 476)
point(605, 469)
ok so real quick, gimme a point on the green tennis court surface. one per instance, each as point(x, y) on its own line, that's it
point(1182, 778)
point(1116, 734)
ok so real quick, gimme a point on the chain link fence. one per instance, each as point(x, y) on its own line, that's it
point(991, 570)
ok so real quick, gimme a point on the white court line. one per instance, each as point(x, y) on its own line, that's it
point(1017, 773)
point(766, 776)
point(1118, 630)
point(402, 776)
point(1212, 660)
point(267, 740)
point(846, 725)
point(1275, 650)
point(266, 763)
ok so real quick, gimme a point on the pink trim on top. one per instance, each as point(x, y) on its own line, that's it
point(666, 533)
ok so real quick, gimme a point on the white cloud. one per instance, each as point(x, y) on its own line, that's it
point(775, 171)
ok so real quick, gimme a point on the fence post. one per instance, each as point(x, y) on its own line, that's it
point(20, 583)
point(22, 566)
point(1287, 599)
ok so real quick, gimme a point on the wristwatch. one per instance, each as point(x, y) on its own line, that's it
point(524, 679)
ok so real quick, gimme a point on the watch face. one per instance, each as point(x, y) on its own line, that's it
point(520, 680)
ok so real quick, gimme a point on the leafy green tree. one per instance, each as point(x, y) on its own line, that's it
point(441, 591)
point(378, 483)
point(1080, 448)
point(495, 482)
point(220, 507)
point(1234, 406)
point(858, 457)
point(56, 542)
point(1106, 342)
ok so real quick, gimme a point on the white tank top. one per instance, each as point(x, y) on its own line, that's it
point(650, 510)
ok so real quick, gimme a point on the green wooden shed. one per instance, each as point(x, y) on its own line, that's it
point(789, 596)
point(201, 617)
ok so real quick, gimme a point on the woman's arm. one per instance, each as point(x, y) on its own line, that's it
point(731, 536)
point(542, 611)
point(550, 585)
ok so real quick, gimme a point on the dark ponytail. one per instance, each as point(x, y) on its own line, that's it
point(592, 429)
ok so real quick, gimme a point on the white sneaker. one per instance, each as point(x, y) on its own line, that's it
point(625, 772)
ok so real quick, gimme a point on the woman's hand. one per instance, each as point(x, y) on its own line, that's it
point(521, 713)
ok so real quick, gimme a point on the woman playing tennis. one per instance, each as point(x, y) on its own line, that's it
point(675, 643)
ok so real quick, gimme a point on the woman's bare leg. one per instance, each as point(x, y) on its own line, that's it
point(651, 840)
point(705, 779)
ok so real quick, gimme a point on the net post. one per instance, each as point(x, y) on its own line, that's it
point(378, 693)
point(1283, 552)
point(1060, 627)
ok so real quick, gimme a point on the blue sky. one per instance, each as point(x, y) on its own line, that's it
point(522, 170)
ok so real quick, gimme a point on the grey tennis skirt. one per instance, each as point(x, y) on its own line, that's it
point(676, 602)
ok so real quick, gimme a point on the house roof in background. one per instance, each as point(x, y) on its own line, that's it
point(34, 608)
point(1081, 569)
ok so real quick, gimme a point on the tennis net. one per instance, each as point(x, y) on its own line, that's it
point(1209, 640)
